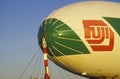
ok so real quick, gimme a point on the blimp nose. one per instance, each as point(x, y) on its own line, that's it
point(53, 30)
point(60, 38)
point(49, 31)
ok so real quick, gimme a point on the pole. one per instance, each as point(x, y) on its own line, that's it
point(45, 53)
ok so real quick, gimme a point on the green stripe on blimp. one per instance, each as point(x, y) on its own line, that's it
point(115, 22)
point(61, 39)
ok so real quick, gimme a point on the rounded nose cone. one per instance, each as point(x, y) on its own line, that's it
point(47, 30)
point(61, 39)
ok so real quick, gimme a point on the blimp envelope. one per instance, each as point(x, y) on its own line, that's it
point(84, 37)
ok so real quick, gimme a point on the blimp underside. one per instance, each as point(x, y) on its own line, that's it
point(83, 38)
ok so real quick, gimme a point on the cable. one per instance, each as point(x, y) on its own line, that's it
point(55, 66)
point(34, 67)
point(28, 65)
point(39, 65)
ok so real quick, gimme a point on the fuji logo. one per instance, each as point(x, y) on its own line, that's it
point(98, 35)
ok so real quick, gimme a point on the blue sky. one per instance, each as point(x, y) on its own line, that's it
point(19, 24)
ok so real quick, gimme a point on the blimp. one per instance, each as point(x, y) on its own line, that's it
point(84, 38)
